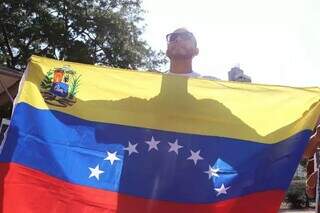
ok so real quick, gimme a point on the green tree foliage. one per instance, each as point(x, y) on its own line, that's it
point(296, 196)
point(106, 32)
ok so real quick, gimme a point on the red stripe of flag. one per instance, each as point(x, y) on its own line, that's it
point(28, 190)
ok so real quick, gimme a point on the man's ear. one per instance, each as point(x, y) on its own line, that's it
point(195, 51)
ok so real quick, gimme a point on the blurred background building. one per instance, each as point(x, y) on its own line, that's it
point(237, 74)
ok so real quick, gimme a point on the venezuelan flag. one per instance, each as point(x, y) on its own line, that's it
point(93, 139)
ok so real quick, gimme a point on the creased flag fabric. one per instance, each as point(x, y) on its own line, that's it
point(94, 139)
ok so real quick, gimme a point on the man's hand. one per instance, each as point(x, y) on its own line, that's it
point(314, 142)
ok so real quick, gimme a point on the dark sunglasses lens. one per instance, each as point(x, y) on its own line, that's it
point(172, 37)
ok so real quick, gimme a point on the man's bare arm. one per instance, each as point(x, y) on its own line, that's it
point(314, 142)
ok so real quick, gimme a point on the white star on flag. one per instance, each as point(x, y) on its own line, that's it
point(112, 157)
point(153, 144)
point(174, 147)
point(222, 190)
point(95, 172)
point(131, 148)
point(195, 156)
point(212, 172)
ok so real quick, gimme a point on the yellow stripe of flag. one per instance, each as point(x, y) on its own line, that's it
point(259, 113)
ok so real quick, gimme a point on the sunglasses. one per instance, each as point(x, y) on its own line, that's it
point(172, 37)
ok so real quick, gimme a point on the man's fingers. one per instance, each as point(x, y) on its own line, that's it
point(316, 135)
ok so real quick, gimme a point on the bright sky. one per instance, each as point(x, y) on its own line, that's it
point(274, 41)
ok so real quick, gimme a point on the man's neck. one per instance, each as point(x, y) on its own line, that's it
point(181, 66)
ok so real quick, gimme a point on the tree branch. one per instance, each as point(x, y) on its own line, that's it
point(6, 40)
point(92, 39)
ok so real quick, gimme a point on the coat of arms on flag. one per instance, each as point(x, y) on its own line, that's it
point(60, 86)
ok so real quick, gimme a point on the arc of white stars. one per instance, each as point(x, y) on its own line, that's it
point(222, 190)
point(112, 157)
point(153, 144)
point(195, 156)
point(131, 148)
point(174, 147)
point(95, 172)
point(212, 172)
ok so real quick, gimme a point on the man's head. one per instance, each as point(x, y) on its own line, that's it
point(182, 45)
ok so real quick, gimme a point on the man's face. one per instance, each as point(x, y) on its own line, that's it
point(181, 45)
